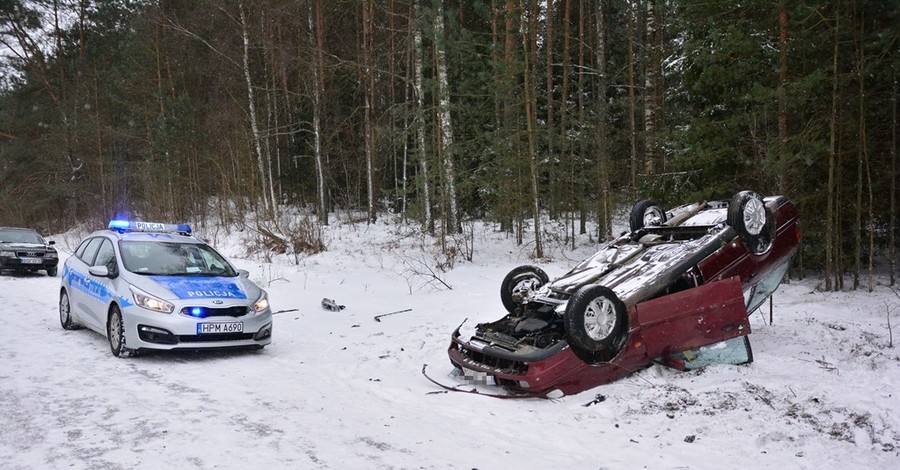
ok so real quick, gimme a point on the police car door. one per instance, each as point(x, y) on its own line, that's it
point(101, 293)
point(78, 281)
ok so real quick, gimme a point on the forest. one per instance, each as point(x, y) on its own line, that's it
point(542, 116)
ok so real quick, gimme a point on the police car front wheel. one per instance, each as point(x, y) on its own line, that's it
point(65, 312)
point(115, 332)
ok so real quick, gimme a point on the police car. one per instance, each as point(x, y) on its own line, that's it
point(149, 285)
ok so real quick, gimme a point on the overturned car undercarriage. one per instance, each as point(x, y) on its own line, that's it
point(675, 290)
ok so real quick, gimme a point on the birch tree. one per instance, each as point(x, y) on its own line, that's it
point(268, 192)
point(444, 120)
point(420, 117)
point(316, 40)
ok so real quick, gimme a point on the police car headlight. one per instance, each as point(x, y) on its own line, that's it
point(150, 302)
point(262, 303)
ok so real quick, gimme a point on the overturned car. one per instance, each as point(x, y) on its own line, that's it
point(676, 290)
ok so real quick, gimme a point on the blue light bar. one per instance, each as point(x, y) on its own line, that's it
point(120, 225)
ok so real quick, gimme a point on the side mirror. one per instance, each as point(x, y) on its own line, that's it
point(243, 273)
point(51, 242)
point(99, 271)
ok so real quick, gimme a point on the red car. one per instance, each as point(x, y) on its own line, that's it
point(676, 290)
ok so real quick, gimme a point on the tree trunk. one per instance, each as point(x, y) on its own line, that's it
point(529, 42)
point(632, 105)
point(651, 90)
point(445, 122)
point(782, 99)
point(420, 120)
point(317, 40)
point(830, 220)
point(604, 228)
point(864, 158)
point(368, 52)
point(893, 217)
point(548, 47)
point(254, 126)
point(582, 118)
point(564, 151)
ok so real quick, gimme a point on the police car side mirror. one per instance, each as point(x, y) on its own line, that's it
point(243, 273)
point(99, 271)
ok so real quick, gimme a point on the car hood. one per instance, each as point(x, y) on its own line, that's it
point(198, 288)
point(24, 246)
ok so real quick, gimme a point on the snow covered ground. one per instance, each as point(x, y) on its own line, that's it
point(340, 390)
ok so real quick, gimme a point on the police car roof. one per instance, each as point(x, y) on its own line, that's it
point(151, 231)
point(155, 237)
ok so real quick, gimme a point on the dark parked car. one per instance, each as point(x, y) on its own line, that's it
point(677, 290)
point(23, 250)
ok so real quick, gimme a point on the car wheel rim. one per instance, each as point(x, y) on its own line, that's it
point(525, 285)
point(754, 216)
point(599, 319)
point(652, 217)
point(64, 309)
point(115, 331)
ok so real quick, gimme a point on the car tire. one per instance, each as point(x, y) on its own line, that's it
point(115, 333)
point(752, 220)
point(51, 272)
point(519, 280)
point(522, 278)
point(65, 312)
point(646, 213)
point(595, 321)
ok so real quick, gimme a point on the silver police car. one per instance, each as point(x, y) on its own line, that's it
point(149, 285)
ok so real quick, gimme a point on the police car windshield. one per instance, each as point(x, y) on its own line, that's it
point(173, 259)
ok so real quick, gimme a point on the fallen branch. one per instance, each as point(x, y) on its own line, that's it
point(378, 317)
point(285, 311)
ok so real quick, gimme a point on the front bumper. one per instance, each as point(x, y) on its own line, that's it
point(560, 371)
point(26, 264)
point(535, 376)
point(145, 329)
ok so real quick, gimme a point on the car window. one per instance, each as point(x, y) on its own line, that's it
point(765, 286)
point(91, 250)
point(79, 252)
point(105, 255)
point(173, 259)
point(20, 236)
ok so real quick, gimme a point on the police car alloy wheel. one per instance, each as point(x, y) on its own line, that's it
point(116, 333)
point(65, 313)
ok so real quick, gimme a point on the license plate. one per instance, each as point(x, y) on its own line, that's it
point(222, 327)
point(30, 260)
point(478, 377)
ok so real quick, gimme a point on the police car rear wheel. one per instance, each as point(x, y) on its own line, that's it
point(65, 312)
point(115, 332)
